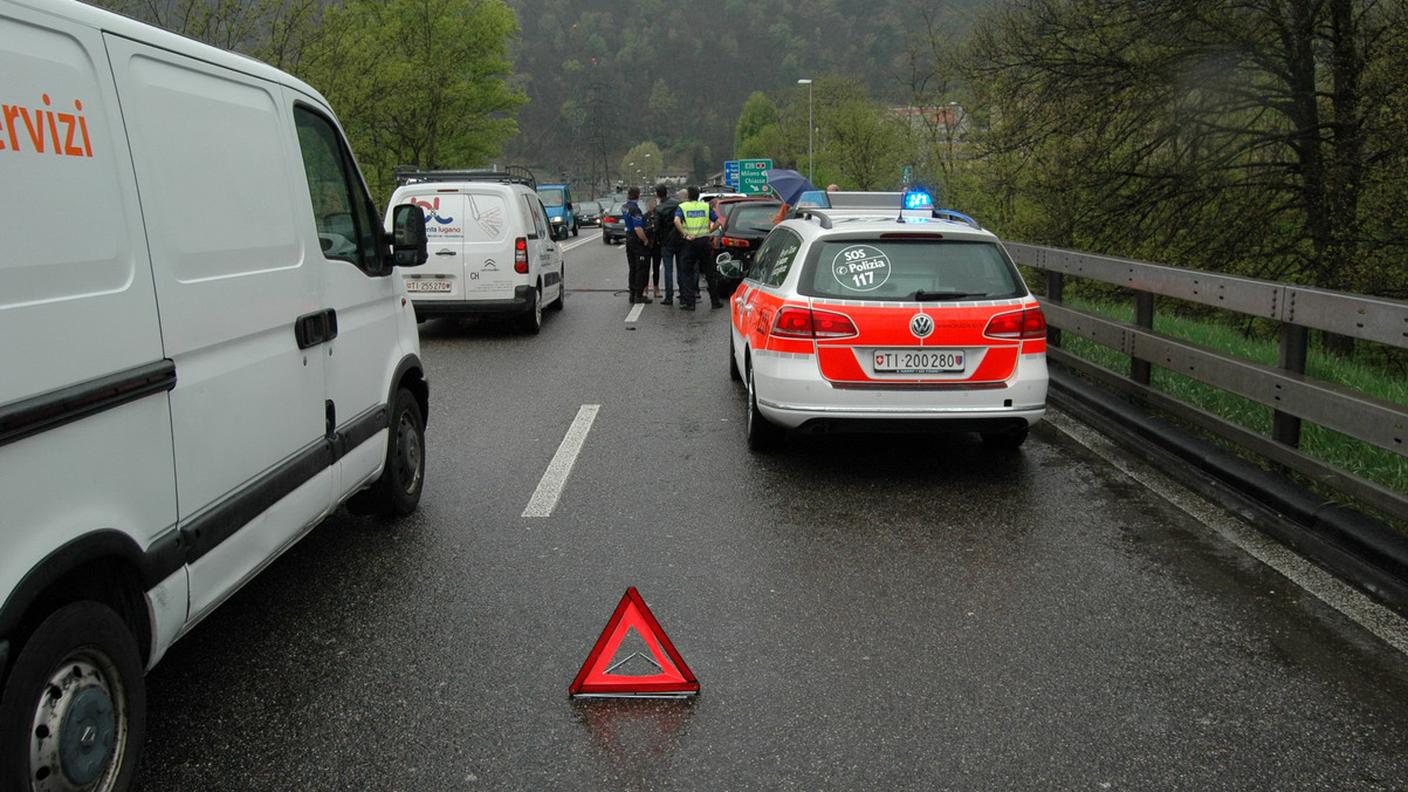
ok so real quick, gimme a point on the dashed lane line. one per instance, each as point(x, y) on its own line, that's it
point(550, 486)
point(1354, 604)
point(580, 242)
point(634, 315)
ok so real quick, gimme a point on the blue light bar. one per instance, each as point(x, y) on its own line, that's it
point(918, 199)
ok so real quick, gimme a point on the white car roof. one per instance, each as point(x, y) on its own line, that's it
point(855, 223)
point(117, 24)
point(463, 186)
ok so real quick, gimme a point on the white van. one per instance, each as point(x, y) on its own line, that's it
point(491, 249)
point(206, 352)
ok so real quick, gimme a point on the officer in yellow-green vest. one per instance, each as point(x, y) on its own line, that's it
point(695, 221)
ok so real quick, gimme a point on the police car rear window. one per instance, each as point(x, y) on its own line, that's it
point(933, 270)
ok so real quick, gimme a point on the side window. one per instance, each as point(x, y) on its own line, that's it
point(786, 246)
point(540, 217)
point(762, 262)
point(530, 218)
point(345, 218)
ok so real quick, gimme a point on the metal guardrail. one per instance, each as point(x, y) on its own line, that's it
point(1292, 396)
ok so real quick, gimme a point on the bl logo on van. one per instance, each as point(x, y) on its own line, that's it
point(432, 210)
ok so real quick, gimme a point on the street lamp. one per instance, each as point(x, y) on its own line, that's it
point(811, 127)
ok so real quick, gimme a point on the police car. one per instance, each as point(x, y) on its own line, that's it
point(909, 320)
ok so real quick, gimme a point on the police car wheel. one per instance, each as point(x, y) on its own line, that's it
point(1006, 441)
point(73, 711)
point(762, 433)
point(732, 362)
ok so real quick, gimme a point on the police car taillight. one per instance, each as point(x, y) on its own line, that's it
point(1029, 323)
point(806, 323)
point(520, 256)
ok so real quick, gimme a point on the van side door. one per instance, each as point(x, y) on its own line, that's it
point(343, 233)
point(242, 313)
point(549, 252)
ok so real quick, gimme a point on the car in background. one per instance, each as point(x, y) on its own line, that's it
point(746, 222)
point(557, 199)
point(710, 195)
point(491, 249)
point(613, 224)
point(875, 322)
point(589, 213)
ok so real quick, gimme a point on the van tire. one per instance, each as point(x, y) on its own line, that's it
point(397, 492)
point(532, 320)
point(111, 698)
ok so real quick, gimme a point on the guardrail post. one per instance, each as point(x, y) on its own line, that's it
point(1285, 428)
point(1055, 283)
point(1143, 317)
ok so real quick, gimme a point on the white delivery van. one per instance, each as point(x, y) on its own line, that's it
point(207, 350)
point(491, 248)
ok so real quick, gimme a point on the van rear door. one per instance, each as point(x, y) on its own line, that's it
point(488, 247)
point(442, 277)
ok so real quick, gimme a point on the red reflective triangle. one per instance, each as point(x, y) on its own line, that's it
point(595, 678)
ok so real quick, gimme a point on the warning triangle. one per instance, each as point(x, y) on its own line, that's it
point(603, 675)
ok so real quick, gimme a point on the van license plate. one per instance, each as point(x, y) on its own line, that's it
point(423, 285)
point(919, 361)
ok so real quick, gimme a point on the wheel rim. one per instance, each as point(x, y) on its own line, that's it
point(409, 458)
point(538, 310)
point(79, 733)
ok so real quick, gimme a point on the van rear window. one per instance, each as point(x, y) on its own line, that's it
point(456, 217)
point(864, 269)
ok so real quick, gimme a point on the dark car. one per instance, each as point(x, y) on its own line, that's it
point(746, 222)
point(613, 225)
point(589, 213)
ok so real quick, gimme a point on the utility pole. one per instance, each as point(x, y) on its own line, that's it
point(811, 127)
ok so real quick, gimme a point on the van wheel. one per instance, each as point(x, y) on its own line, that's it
point(561, 292)
point(397, 492)
point(1006, 441)
point(532, 320)
point(73, 713)
point(762, 433)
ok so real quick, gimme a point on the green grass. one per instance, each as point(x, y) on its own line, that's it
point(1327, 445)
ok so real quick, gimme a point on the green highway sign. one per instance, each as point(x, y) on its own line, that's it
point(753, 176)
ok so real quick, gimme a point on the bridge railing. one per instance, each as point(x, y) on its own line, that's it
point(1293, 396)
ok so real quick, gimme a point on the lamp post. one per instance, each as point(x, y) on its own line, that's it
point(811, 127)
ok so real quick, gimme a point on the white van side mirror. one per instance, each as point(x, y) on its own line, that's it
point(408, 242)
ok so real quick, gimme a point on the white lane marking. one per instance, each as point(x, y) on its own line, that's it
point(634, 314)
point(1357, 606)
point(555, 477)
point(580, 242)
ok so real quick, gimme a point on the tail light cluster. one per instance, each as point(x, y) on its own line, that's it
point(608, 218)
point(1027, 323)
point(733, 242)
point(520, 255)
point(795, 322)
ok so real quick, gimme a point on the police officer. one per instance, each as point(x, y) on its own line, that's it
point(695, 221)
point(637, 247)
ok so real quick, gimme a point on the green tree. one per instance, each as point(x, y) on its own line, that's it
point(758, 119)
point(642, 164)
point(418, 82)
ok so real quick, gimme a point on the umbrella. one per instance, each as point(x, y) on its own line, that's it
point(788, 184)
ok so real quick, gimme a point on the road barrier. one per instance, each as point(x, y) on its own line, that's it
point(1285, 388)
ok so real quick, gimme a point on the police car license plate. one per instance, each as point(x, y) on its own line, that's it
point(919, 361)
point(427, 285)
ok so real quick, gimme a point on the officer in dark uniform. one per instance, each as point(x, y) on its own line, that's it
point(637, 247)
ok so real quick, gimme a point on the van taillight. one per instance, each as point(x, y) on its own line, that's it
point(520, 256)
point(795, 322)
point(1028, 323)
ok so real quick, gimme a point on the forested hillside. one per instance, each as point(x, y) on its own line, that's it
point(603, 75)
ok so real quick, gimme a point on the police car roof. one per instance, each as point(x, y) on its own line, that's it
point(811, 224)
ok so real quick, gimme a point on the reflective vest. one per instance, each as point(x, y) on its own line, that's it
point(696, 218)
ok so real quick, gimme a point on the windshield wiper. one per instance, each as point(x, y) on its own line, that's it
point(923, 296)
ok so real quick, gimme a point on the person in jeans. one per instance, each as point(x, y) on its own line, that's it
point(667, 240)
point(637, 247)
point(695, 221)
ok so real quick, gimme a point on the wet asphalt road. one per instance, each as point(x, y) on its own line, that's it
point(863, 613)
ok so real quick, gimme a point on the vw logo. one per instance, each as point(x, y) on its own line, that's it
point(921, 325)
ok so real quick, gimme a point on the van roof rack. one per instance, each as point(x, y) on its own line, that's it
point(513, 174)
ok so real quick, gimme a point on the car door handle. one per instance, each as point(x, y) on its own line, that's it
point(444, 252)
point(315, 328)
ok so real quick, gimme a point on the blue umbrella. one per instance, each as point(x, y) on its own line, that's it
point(788, 184)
